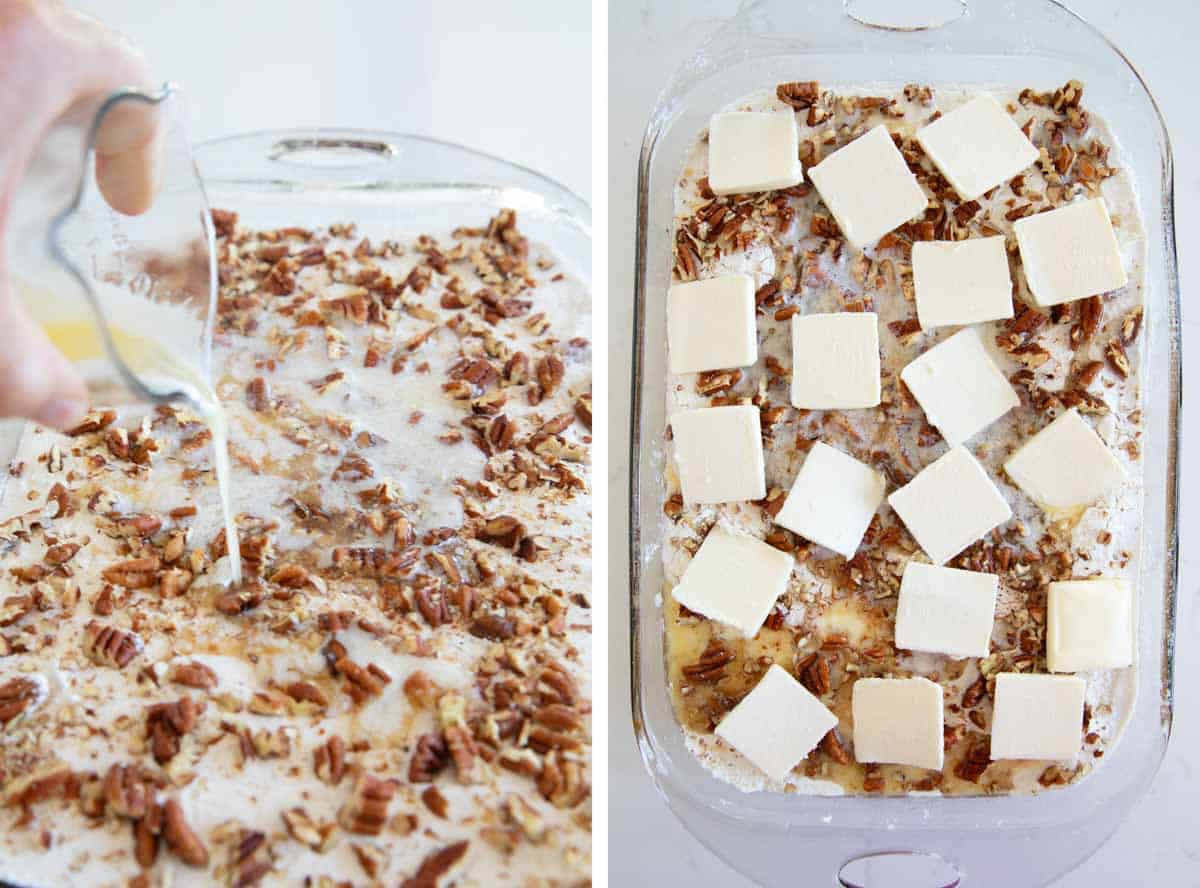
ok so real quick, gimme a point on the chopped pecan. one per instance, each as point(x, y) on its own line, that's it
point(110, 646)
point(362, 682)
point(493, 626)
point(461, 745)
point(798, 94)
point(814, 674)
point(194, 674)
point(61, 553)
point(329, 761)
point(134, 573)
point(711, 664)
point(436, 865)
point(367, 809)
point(1114, 353)
point(429, 759)
point(127, 792)
point(503, 530)
point(437, 803)
point(1131, 325)
point(17, 695)
point(833, 746)
point(95, 421)
point(550, 372)
point(240, 599)
point(305, 830)
point(180, 838)
point(167, 724)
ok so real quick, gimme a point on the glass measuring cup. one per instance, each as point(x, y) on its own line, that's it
point(130, 299)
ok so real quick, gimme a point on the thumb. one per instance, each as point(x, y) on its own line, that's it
point(36, 381)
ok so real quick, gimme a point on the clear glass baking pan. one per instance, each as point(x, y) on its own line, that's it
point(986, 841)
point(392, 185)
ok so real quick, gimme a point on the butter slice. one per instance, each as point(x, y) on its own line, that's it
point(1089, 625)
point(1037, 716)
point(710, 324)
point(719, 454)
point(950, 504)
point(1065, 467)
point(961, 282)
point(835, 360)
point(943, 610)
point(1070, 253)
point(777, 724)
point(751, 151)
point(898, 721)
point(832, 500)
point(977, 146)
point(734, 579)
point(959, 386)
point(868, 187)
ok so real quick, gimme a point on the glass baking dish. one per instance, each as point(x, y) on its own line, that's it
point(393, 185)
point(781, 839)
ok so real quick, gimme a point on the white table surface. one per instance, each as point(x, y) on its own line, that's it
point(469, 71)
point(1159, 844)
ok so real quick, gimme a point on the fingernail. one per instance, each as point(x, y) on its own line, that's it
point(62, 413)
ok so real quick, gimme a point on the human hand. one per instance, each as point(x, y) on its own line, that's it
point(51, 60)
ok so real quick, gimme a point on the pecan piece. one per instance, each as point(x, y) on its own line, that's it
point(550, 372)
point(493, 626)
point(436, 865)
point(503, 530)
point(429, 758)
point(305, 830)
point(134, 573)
point(367, 810)
point(194, 674)
point(329, 761)
point(711, 664)
point(180, 838)
point(126, 791)
point(94, 421)
point(166, 725)
point(798, 94)
point(17, 695)
point(110, 646)
point(1114, 353)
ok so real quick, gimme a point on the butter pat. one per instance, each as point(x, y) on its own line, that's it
point(943, 610)
point(868, 187)
point(961, 282)
point(1070, 253)
point(719, 454)
point(832, 500)
point(950, 504)
point(1089, 625)
point(977, 146)
point(898, 721)
point(734, 579)
point(710, 324)
point(1037, 716)
point(1065, 467)
point(835, 360)
point(777, 724)
point(959, 386)
point(752, 151)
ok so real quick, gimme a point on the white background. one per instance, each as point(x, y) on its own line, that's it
point(1160, 843)
point(508, 78)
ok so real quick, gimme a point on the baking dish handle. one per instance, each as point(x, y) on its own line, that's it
point(912, 15)
point(899, 869)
